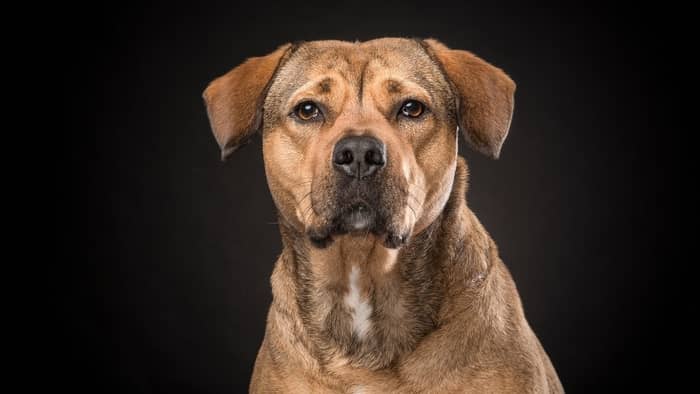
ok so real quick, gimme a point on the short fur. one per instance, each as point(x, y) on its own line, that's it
point(445, 314)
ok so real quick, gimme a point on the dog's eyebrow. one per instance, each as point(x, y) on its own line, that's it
point(324, 86)
point(314, 88)
point(399, 88)
point(393, 86)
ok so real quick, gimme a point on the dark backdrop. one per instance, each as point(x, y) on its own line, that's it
point(170, 250)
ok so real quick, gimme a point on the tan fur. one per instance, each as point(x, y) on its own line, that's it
point(445, 314)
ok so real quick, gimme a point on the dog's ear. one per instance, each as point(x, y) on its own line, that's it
point(484, 96)
point(234, 101)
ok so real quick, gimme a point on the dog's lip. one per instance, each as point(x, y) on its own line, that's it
point(360, 207)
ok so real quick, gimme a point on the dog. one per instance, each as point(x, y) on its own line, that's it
point(387, 281)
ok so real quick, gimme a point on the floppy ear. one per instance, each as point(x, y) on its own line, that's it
point(484, 97)
point(234, 101)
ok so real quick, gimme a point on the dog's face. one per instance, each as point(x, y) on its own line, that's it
point(361, 138)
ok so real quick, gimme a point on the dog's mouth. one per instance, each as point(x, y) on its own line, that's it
point(371, 208)
point(357, 218)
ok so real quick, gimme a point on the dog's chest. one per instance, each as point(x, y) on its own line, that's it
point(358, 305)
point(363, 309)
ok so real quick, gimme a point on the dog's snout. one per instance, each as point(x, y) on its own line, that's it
point(359, 156)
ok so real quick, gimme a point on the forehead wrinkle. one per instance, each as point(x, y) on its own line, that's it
point(361, 81)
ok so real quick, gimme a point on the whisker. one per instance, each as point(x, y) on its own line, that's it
point(307, 214)
point(415, 216)
point(305, 196)
point(303, 183)
point(414, 198)
point(417, 187)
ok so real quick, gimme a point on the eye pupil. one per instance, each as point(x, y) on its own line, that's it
point(412, 109)
point(307, 111)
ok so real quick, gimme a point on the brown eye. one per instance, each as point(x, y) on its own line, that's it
point(412, 109)
point(307, 111)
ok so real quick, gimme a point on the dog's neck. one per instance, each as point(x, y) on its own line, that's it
point(365, 305)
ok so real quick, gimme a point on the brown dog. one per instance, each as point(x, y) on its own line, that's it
point(387, 282)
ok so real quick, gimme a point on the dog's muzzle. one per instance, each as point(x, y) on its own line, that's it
point(357, 160)
point(359, 206)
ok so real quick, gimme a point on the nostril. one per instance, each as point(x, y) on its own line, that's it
point(343, 157)
point(374, 157)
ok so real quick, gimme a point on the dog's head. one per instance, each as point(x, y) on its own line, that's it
point(361, 138)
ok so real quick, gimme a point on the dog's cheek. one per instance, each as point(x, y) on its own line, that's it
point(437, 192)
point(282, 163)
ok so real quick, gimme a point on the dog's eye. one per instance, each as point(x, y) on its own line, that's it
point(307, 111)
point(412, 109)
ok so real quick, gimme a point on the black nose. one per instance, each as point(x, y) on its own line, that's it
point(359, 156)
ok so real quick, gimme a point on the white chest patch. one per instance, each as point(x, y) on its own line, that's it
point(360, 309)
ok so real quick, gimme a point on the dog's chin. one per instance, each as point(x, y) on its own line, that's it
point(358, 220)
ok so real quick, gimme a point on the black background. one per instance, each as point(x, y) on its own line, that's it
point(171, 249)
